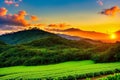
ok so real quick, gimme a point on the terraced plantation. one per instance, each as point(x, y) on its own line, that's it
point(56, 71)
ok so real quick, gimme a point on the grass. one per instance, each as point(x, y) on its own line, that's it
point(56, 70)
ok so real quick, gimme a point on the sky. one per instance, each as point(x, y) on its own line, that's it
point(89, 15)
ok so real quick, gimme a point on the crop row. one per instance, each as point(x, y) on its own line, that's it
point(76, 77)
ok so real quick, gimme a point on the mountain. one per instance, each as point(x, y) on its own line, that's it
point(24, 36)
point(72, 29)
point(70, 37)
point(50, 50)
point(86, 34)
point(34, 34)
point(47, 50)
point(37, 47)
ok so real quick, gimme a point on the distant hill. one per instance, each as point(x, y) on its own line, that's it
point(77, 38)
point(24, 36)
point(70, 37)
point(86, 34)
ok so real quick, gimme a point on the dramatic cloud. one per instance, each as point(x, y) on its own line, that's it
point(13, 21)
point(100, 2)
point(111, 11)
point(34, 18)
point(12, 2)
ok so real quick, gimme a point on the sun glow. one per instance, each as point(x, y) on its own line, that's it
point(113, 36)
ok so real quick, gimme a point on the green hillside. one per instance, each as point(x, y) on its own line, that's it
point(37, 47)
point(24, 36)
point(56, 41)
point(45, 51)
point(51, 50)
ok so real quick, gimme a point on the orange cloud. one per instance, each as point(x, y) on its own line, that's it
point(111, 11)
point(34, 18)
point(18, 19)
point(15, 19)
point(22, 13)
point(14, 22)
point(3, 11)
point(60, 25)
point(40, 25)
point(57, 27)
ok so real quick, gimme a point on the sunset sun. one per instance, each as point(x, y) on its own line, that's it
point(113, 36)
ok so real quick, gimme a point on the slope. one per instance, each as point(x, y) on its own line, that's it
point(24, 36)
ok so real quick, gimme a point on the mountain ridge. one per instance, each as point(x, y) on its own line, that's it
point(24, 36)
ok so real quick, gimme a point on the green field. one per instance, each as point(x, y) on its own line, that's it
point(56, 70)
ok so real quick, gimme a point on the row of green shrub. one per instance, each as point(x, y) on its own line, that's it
point(86, 76)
